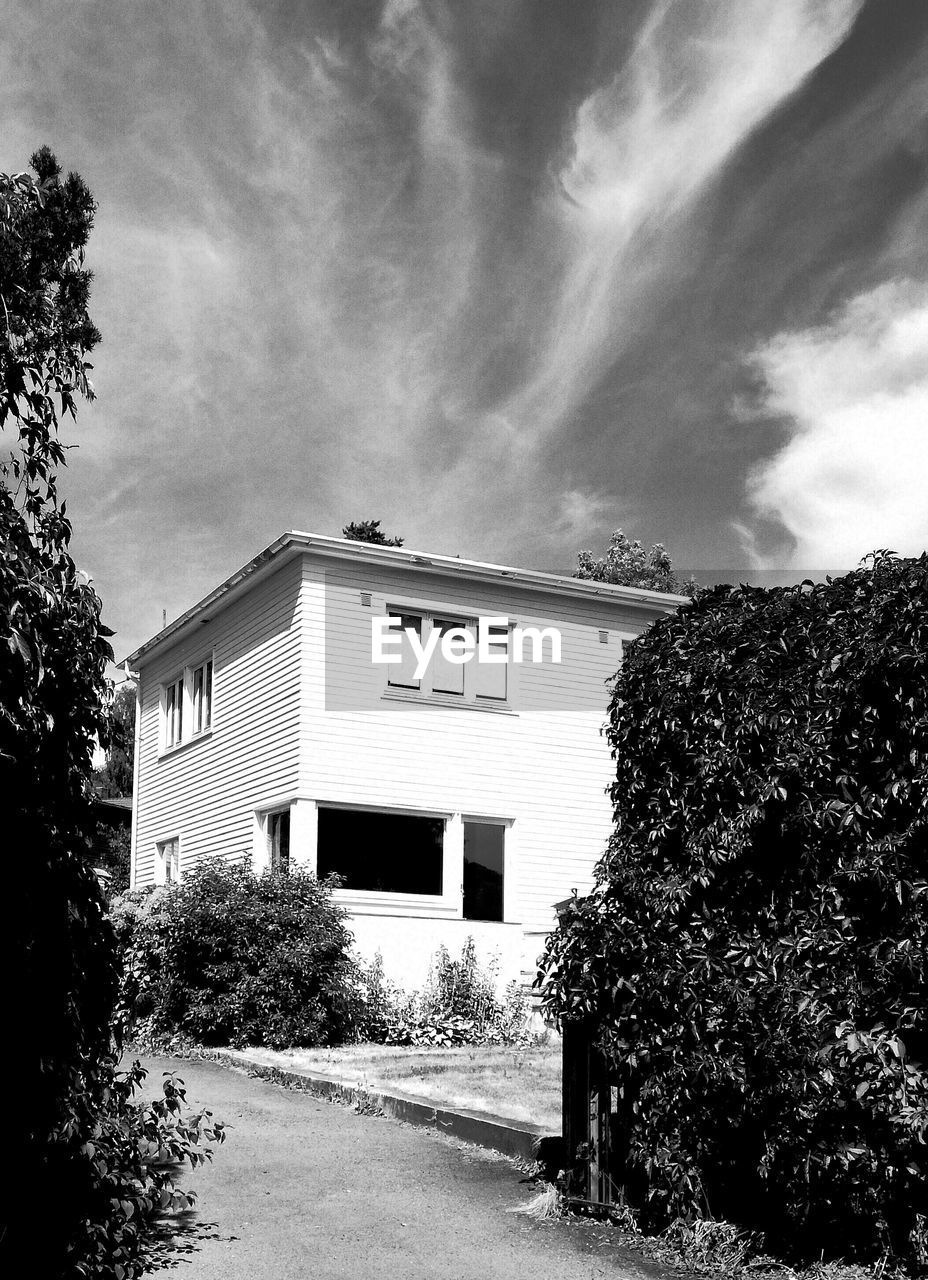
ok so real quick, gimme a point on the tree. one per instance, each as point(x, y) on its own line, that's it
point(114, 778)
point(369, 531)
point(82, 1186)
point(754, 954)
point(627, 564)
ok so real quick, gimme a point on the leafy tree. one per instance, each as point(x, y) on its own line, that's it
point(754, 955)
point(369, 531)
point(73, 1205)
point(113, 779)
point(627, 564)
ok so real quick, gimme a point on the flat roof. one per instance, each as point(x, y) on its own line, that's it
point(296, 543)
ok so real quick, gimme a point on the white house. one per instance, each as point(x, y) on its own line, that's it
point(462, 795)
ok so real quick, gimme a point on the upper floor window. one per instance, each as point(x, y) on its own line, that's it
point(202, 695)
point(452, 671)
point(187, 705)
point(174, 712)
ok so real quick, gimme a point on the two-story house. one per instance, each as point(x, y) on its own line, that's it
point(449, 766)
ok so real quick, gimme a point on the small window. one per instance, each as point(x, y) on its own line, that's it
point(483, 870)
point(202, 696)
point(278, 841)
point(167, 864)
point(381, 852)
point(174, 712)
point(402, 674)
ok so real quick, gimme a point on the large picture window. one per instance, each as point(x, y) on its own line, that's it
point(381, 852)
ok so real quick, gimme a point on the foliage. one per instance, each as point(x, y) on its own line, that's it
point(113, 780)
point(755, 951)
point(627, 564)
point(369, 531)
point(233, 958)
point(53, 653)
point(71, 1203)
point(458, 1005)
point(127, 1180)
point(110, 849)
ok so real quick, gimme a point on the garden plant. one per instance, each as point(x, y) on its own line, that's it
point(753, 958)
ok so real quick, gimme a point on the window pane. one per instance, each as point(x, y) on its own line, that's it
point(483, 871)
point(447, 677)
point(198, 700)
point(492, 677)
point(381, 852)
point(208, 695)
point(401, 674)
point(278, 836)
point(178, 710)
point(202, 683)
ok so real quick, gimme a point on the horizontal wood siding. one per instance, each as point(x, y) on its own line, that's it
point(545, 767)
point(206, 792)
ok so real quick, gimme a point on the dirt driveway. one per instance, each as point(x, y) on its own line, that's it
point(305, 1188)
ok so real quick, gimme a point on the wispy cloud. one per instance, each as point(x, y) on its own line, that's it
point(697, 80)
point(854, 475)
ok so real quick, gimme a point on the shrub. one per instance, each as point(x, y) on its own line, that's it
point(458, 1005)
point(125, 1180)
point(229, 957)
point(755, 950)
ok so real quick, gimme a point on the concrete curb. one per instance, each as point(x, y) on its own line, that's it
point(509, 1137)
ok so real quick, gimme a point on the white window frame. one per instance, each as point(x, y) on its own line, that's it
point(470, 696)
point(167, 861)
point(181, 705)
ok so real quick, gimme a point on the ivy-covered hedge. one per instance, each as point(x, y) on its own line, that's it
point(232, 958)
point(755, 951)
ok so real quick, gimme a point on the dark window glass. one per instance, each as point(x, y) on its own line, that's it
point(483, 871)
point(381, 852)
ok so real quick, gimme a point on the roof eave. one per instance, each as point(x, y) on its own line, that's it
point(297, 542)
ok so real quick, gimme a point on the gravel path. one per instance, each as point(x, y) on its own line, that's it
point(305, 1188)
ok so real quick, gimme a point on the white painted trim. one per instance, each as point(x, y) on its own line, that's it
point(136, 785)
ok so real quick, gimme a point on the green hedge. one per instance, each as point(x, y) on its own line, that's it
point(755, 951)
point(232, 958)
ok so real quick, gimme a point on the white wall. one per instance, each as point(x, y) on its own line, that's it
point(543, 767)
point(205, 792)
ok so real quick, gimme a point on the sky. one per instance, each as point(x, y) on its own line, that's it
point(503, 274)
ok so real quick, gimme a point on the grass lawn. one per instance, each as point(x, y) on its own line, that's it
point(521, 1084)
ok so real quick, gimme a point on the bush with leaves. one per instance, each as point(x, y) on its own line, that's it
point(58, 949)
point(754, 955)
point(130, 1159)
point(229, 957)
point(458, 1005)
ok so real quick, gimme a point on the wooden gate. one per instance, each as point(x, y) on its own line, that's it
point(589, 1119)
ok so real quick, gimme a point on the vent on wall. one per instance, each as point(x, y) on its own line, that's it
point(604, 637)
point(366, 599)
